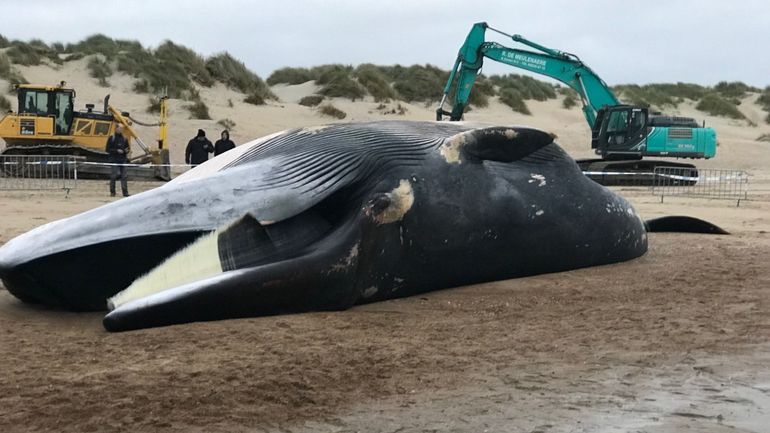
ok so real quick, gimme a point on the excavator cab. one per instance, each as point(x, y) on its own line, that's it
point(46, 101)
point(620, 131)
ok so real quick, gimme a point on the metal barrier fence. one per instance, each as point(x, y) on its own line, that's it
point(38, 172)
point(703, 183)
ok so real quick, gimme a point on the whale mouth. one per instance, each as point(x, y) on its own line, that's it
point(94, 272)
point(85, 277)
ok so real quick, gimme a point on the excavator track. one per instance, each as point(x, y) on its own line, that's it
point(634, 172)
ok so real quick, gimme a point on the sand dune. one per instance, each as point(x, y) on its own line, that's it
point(738, 148)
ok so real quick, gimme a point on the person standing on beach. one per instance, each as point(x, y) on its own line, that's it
point(118, 149)
point(223, 144)
point(198, 149)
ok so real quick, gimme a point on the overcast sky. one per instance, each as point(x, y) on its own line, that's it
point(647, 41)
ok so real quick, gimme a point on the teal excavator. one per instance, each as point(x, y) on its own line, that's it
point(621, 134)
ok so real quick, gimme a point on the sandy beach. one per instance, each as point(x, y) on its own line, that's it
point(677, 340)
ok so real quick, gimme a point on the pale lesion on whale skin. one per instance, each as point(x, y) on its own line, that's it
point(346, 262)
point(450, 150)
point(401, 200)
point(370, 291)
point(536, 177)
point(314, 129)
point(509, 133)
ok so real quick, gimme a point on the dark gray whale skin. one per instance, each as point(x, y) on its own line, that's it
point(332, 217)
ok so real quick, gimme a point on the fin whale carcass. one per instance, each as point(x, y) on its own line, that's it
point(324, 218)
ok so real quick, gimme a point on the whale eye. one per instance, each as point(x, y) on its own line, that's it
point(378, 204)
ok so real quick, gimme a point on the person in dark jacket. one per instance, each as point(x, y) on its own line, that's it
point(223, 144)
point(118, 149)
point(198, 149)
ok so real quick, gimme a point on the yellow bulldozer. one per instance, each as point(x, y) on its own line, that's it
point(46, 123)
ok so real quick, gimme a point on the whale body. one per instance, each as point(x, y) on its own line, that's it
point(325, 218)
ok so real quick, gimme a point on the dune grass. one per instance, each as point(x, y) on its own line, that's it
point(375, 82)
point(4, 42)
point(342, 86)
point(104, 45)
point(311, 100)
point(100, 69)
point(170, 67)
point(514, 90)
point(764, 102)
point(31, 53)
point(660, 95)
point(512, 98)
point(254, 99)
point(718, 106)
point(568, 102)
point(24, 54)
point(198, 110)
point(332, 111)
point(527, 87)
point(227, 123)
point(155, 75)
point(734, 89)
point(644, 96)
point(764, 99)
point(9, 73)
point(571, 97)
point(193, 64)
point(399, 109)
point(324, 73)
point(5, 66)
point(154, 105)
point(419, 83)
point(337, 81)
point(290, 76)
point(234, 74)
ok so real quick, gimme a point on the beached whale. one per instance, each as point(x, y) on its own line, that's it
point(324, 218)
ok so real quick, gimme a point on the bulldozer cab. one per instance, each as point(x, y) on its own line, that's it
point(43, 101)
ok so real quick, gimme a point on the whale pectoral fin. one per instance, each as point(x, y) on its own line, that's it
point(683, 224)
point(243, 242)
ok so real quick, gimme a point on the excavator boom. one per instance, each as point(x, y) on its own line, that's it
point(564, 67)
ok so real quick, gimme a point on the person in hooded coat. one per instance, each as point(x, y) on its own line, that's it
point(118, 150)
point(223, 144)
point(198, 149)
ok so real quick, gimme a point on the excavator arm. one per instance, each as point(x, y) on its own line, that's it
point(128, 131)
point(564, 67)
point(127, 121)
point(160, 157)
